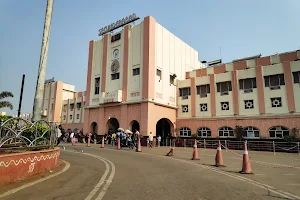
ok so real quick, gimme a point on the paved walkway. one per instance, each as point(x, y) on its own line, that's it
point(125, 174)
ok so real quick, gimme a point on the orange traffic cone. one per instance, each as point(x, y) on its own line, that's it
point(195, 152)
point(219, 157)
point(119, 145)
point(171, 152)
point(246, 161)
point(139, 148)
point(102, 144)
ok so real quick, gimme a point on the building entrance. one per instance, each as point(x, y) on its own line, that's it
point(164, 128)
point(135, 126)
point(112, 125)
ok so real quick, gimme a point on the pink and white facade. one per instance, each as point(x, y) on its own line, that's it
point(131, 82)
point(63, 105)
point(262, 95)
point(146, 78)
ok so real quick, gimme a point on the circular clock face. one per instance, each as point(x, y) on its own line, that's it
point(116, 53)
point(115, 66)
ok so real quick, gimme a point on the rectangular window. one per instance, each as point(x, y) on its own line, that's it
point(136, 71)
point(78, 106)
point(115, 76)
point(158, 73)
point(97, 85)
point(64, 117)
point(296, 76)
point(184, 92)
point(70, 116)
point(71, 106)
point(52, 107)
point(247, 84)
point(77, 116)
point(65, 107)
point(224, 87)
point(274, 81)
point(203, 90)
point(172, 79)
point(116, 37)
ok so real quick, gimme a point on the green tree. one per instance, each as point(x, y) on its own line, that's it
point(6, 104)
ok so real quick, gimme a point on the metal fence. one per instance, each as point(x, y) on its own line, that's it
point(17, 133)
point(272, 146)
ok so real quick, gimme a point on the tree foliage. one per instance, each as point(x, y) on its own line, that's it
point(6, 104)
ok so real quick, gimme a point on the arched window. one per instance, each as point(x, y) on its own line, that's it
point(185, 132)
point(278, 131)
point(204, 132)
point(251, 131)
point(226, 132)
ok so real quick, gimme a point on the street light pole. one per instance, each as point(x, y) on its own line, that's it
point(21, 95)
point(38, 98)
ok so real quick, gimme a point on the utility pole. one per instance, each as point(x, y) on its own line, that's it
point(21, 95)
point(39, 91)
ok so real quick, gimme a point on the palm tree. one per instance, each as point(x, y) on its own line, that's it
point(6, 104)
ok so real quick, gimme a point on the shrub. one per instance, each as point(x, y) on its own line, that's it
point(3, 118)
point(289, 138)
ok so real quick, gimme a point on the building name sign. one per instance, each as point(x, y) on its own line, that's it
point(118, 24)
point(113, 96)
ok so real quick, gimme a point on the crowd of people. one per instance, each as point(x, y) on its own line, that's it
point(127, 138)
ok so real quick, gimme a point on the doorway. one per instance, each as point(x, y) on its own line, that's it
point(112, 125)
point(135, 126)
point(94, 128)
point(164, 128)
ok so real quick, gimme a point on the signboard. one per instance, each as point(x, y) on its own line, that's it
point(118, 24)
point(113, 96)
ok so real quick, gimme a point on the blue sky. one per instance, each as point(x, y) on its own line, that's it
point(241, 28)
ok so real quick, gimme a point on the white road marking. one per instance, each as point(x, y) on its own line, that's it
point(258, 184)
point(108, 182)
point(275, 164)
point(67, 166)
point(255, 183)
point(289, 174)
point(98, 185)
point(294, 184)
point(103, 178)
point(259, 174)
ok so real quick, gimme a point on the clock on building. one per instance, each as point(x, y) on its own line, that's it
point(115, 66)
point(116, 53)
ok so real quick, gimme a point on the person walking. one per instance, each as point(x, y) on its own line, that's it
point(158, 141)
point(135, 138)
point(113, 139)
point(72, 136)
point(150, 139)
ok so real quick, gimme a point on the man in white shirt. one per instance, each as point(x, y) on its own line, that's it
point(72, 138)
point(158, 141)
point(150, 139)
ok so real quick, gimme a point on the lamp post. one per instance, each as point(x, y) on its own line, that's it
point(38, 98)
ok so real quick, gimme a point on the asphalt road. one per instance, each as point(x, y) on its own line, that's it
point(114, 174)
